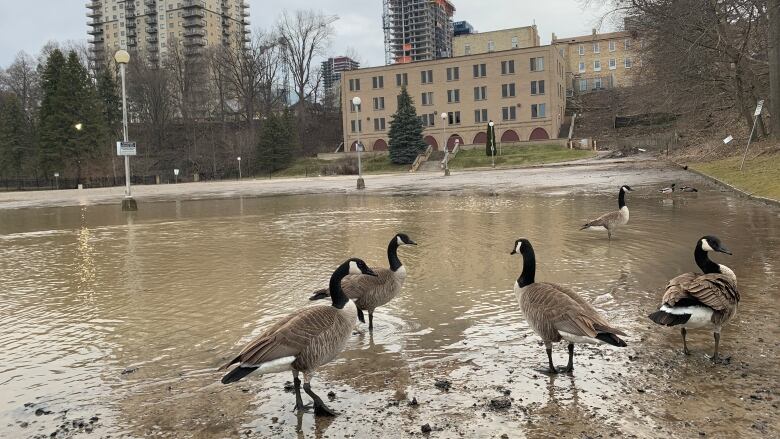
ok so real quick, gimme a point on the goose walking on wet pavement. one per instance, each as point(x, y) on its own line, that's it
point(371, 292)
point(557, 313)
point(303, 340)
point(610, 221)
point(701, 300)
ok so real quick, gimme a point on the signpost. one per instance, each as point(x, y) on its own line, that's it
point(757, 113)
point(125, 148)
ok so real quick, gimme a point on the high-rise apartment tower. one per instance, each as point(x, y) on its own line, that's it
point(417, 30)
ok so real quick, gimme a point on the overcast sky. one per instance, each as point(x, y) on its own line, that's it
point(27, 25)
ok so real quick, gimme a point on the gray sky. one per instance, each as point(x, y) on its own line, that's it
point(28, 24)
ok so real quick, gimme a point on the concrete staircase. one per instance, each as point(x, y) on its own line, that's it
point(433, 163)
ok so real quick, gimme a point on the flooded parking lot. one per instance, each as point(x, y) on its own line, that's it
point(125, 318)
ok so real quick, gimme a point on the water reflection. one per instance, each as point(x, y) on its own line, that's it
point(169, 291)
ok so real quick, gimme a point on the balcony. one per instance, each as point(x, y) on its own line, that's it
point(195, 32)
point(95, 31)
point(151, 3)
point(244, 13)
point(132, 42)
point(96, 40)
point(193, 22)
point(152, 48)
point(151, 39)
point(94, 14)
point(194, 3)
point(94, 5)
point(151, 30)
point(246, 22)
point(151, 21)
point(193, 12)
point(189, 42)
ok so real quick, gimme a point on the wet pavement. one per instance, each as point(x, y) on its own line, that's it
point(124, 318)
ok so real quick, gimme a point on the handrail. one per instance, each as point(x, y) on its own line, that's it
point(421, 158)
point(571, 127)
point(449, 155)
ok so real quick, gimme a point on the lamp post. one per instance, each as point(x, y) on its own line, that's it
point(492, 143)
point(175, 176)
point(239, 167)
point(356, 104)
point(446, 150)
point(57, 179)
point(122, 58)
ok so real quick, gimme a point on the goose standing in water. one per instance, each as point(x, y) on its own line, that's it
point(696, 300)
point(667, 190)
point(609, 221)
point(369, 292)
point(303, 340)
point(557, 313)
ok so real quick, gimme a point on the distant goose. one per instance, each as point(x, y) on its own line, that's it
point(610, 221)
point(303, 340)
point(667, 190)
point(369, 292)
point(557, 313)
point(695, 300)
point(688, 189)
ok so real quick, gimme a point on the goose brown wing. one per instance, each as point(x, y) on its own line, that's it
point(604, 220)
point(675, 288)
point(714, 290)
point(287, 337)
point(589, 312)
point(356, 285)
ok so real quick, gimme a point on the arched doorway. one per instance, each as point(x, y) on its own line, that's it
point(353, 147)
point(380, 145)
point(451, 141)
point(510, 136)
point(539, 134)
point(430, 140)
point(480, 138)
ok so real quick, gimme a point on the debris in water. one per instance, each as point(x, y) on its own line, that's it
point(425, 428)
point(288, 386)
point(443, 383)
point(331, 395)
point(129, 370)
point(413, 401)
point(500, 403)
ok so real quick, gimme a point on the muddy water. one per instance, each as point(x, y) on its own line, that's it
point(127, 318)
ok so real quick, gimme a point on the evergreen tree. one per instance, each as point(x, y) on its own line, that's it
point(55, 122)
point(14, 138)
point(277, 144)
point(406, 140)
point(110, 99)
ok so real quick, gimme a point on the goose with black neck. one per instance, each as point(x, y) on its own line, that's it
point(611, 220)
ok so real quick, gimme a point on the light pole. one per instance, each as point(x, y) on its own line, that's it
point(239, 167)
point(446, 150)
point(57, 179)
point(122, 58)
point(492, 143)
point(356, 104)
point(175, 175)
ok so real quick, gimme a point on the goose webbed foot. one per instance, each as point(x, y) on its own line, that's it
point(320, 409)
point(548, 371)
point(302, 407)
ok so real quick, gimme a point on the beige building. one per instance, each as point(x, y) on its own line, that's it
point(495, 41)
point(521, 90)
point(599, 61)
point(150, 27)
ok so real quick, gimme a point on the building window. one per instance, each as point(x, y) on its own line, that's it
point(583, 84)
point(597, 66)
point(537, 87)
point(453, 96)
point(508, 90)
point(626, 44)
point(426, 76)
point(480, 116)
point(582, 67)
point(354, 84)
point(509, 113)
point(453, 73)
point(508, 67)
point(378, 81)
point(467, 49)
point(427, 120)
point(612, 63)
point(491, 46)
point(597, 84)
point(537, 64)
point(379, 103)
point(627, 63)
point(453, 118)
point(427, 98)
point(611, 45)
point(359, 125)
point(480, 70)
point(596, 47)
point(581, 49)
point(379, 124)
point(537, 110)
point(354, 108)
point(515, 43)
point(401, 79)
point(480, 93)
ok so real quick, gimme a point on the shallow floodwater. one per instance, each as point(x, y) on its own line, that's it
point(126, 317)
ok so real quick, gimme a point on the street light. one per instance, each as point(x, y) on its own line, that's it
point(446, 150)
point(122, 58)
point(175, 175)
point(492, 144)
point(356, 104)
point(239, 167)
point(57, 179)
point(78, 126)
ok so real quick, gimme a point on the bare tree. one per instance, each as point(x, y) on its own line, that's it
point(153, 100)
point(773, 37)
point(22, 78)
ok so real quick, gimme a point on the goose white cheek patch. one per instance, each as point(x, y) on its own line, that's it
point(706, 246)
point(353, 268)
point(399, 240)
point(519, 244)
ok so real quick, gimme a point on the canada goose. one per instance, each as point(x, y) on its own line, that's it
point(688, 189)
point(303, 340)
point(695, 300)
point(372, 292)
point(611, 220)
point(557, 313)
point(667, 190)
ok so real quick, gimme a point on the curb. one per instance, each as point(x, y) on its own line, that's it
point(738, 191)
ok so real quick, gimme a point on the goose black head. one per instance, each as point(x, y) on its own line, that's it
point(626, 187)
point(521, 245)
point(403, 239)
point(357, 266)
point(711, 243)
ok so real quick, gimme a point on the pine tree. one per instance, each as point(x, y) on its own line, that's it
point(111, 101)
point(406, 140)
point(14, 136)
point(54, 120)
point(277, 144)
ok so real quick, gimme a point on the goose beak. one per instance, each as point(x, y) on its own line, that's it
point(723, 249)
point(369, 272)
point(411, 242)
point(513, 252)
